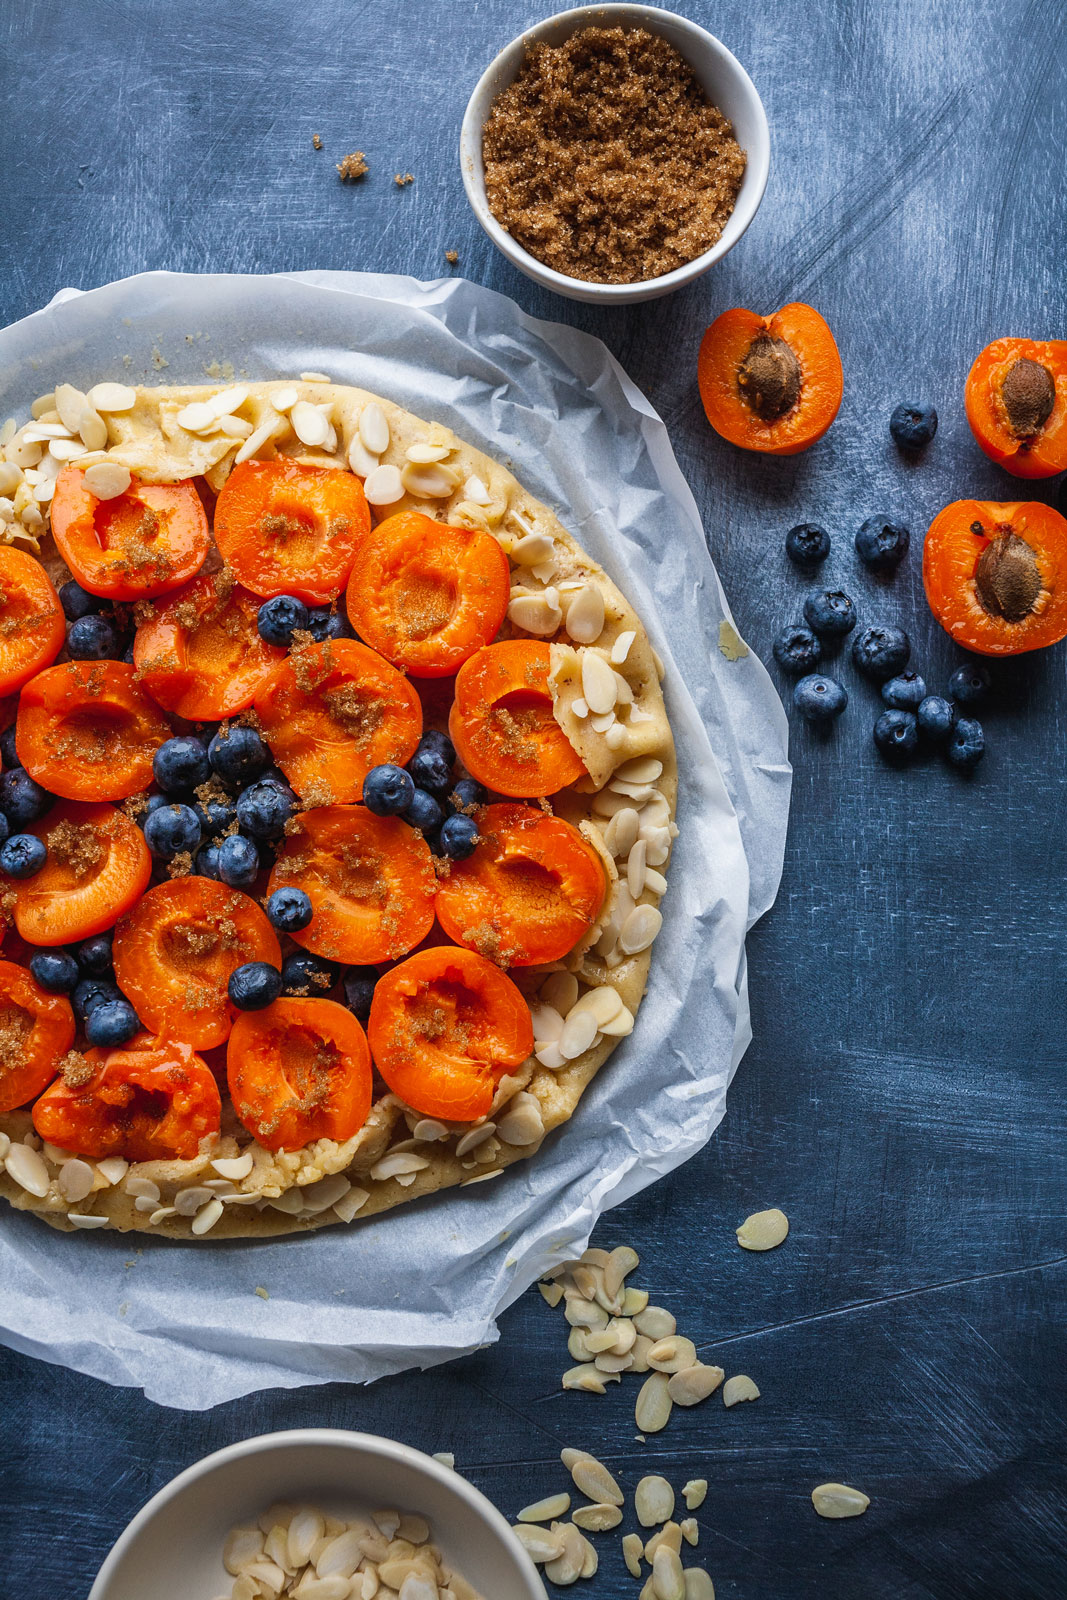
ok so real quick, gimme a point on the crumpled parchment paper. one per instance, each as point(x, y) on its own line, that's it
point(425, 1282)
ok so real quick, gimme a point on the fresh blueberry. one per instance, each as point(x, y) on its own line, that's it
point(8, 754)
point(304, 974)
point(180, 764)
point(5, 827)
point(238, 862)
point(807, 545)
point(263, 810)
point(468, 792)
point(970, 684)
point(55, 971)
point(255, 985)
point(172, 829)
point(21, 799)
point(881, 652)
point(92, 992)
point(913, 426)
point(276, 776)
point(830, 613)
point(153, 803)
point(207, 861)
point(459, 835)
point(430, 770)
point(905, 692)
point(819, 698)
point(93, 638)
point(289, 910)
point(359, 990)
point(280, 618)
point(215, 816)
point(324, 623)
point(424, 812)
point(23, 855)
point(434, 739)
point(966, 745)
point(935, 717)
point(881, 544)
point(387, 790)
point(238, 755)
point(797, 650)
point(94, 955)
point(112, 1024)
point(78, 602)
point(896, 733)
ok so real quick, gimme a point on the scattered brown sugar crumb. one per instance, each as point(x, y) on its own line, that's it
point(451, 256)
point(403, 178)
point(78, 847)
point(75, 1070)
point(352, 167)
point(16, 1026)
point(316, 141)
point(180, 865)
point(606, 160)
point(135, 805)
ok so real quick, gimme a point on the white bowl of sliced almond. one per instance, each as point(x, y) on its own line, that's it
point(320, 1514)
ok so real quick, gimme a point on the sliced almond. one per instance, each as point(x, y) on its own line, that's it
point(668, 1580)
point(361, 460)
point(374, 428)
point(690, 1531)
point(546, 1510)
point(763, 1230)
point(429, 483)
point(585, 614)
point(653, 1501)
point(653, 1409)
point(837, 1500)
point(640, 929)
point(595, 1481)
point(670, 1535)
point(551, 1292)
point(597, 1518)
point(112, 397)
point(693, 1384)
point(621, 648)
point(672, 1354)
point(567, 1567)
point(540, 1544)
point(694, 1493)
point(737, 1389)
point(585, 1376)
point(108, 479)
point(698, 1586)
point(384, 486)
point(28, 1170)
point(632, 1551)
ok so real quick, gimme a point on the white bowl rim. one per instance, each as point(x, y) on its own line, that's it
point(369, 1443)
point(470, 135)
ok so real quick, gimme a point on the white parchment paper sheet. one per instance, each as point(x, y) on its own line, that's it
point(425, 1282)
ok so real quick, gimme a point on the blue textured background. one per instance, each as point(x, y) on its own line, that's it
point(903, 1097)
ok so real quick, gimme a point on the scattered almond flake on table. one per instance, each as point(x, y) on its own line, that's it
point(261, 1292)
point(352, 166)
point(402, 179)
point(739, 1388)
point(731, 644)
point(316, 141)
point(452, 256)
point(763, 1230)
point(837, 1500)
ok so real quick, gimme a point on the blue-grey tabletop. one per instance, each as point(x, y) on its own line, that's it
point(903, 1097)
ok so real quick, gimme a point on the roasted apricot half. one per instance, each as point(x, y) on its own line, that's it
point(145, 542)
point(98, 866)
point(995, 574)
point(87, 731)
point(32, 627)
point(152, 1100)
point(1016, 401)
point(330, 712)
point(427, 595)
point(531, 889)
point(445, 1026)
point(771, 384)
point(285, 528)
point(370, 881)
point(175, 951)
point(201, 656)
point(297, 1071)
point(36, 1030)
point(502, 723)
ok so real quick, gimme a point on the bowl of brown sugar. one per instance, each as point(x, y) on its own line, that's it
point(613, 153)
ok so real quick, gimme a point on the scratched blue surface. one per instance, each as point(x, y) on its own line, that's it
point(903, 1099)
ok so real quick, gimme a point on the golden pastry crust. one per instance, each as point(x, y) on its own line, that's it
point(326, 1183)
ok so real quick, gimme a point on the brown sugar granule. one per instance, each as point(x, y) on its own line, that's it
point(77, 846)
point(75, 1070)
point(16, 1026)
point(606, 160)
point(403, 178)
point(352, 167)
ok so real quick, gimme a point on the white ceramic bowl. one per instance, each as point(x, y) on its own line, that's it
point(727, 86)
point(172, 1550)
